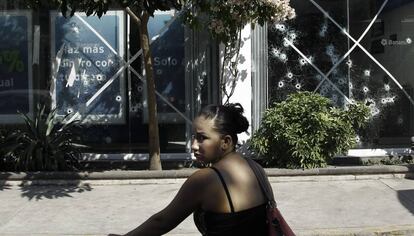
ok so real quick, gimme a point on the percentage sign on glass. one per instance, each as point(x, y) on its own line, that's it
point(12, 58)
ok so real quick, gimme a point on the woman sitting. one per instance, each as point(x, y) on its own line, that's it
point(225, 198)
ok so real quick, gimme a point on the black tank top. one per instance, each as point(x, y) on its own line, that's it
point(251, 221)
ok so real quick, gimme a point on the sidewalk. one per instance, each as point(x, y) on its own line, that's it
point(336, 203)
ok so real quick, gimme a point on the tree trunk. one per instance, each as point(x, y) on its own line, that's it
point(153, 133)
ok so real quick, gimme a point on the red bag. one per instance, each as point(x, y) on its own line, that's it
point(277, 225)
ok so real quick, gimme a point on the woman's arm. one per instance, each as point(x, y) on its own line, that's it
point(187, 200)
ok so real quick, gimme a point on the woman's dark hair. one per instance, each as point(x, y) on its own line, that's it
point(228, 119)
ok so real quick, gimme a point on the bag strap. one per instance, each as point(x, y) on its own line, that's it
point(263, 181)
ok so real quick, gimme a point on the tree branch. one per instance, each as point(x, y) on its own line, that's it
point(133, 16)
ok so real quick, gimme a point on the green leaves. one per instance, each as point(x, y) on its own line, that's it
point(224, 19)
point(100, 7)
point(45, 144)
point(306, 131)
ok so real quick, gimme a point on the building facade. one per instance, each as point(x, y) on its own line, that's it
point(90, 69)
point(350, 51)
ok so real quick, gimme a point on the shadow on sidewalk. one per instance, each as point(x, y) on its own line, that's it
point(52, 191)
point(46, 185)
point(53, 185)
point(406, 198)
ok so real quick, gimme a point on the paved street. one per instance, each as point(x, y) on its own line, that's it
point(313, 206)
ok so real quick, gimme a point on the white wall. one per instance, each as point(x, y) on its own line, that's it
point(243, 90)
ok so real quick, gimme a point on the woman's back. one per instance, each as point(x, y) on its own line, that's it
point(239, 210)
point(226, 200)
point(243, 186)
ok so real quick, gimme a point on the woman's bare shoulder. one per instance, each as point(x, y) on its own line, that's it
point(204, 175)
point(199, 180)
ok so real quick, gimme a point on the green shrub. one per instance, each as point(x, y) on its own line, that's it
point(45, 144)
point(3, 158)
point(306, 131)
point(7, 145)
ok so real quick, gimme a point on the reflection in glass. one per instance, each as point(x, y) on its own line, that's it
point(15, 64)
point(323, 45)
point(167, 48)
point(379, 75)
point(89, 54)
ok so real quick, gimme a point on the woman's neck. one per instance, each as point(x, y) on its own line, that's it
point(225, 156)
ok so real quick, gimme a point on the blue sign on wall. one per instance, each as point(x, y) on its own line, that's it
point(88, 53)
point(15, 63)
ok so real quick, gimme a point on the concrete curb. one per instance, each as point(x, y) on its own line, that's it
point(367, 231)
point(388, 170)
point(104, 175)
point(344, 170)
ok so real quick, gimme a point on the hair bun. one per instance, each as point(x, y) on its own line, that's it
point(241, 124)
point(228, 119)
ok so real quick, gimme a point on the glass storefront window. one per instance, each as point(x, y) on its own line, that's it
point(87, 55)
point(90, 69)
point(167, 47)
point(350, 50)
point(15, 65)
point(166, 33)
